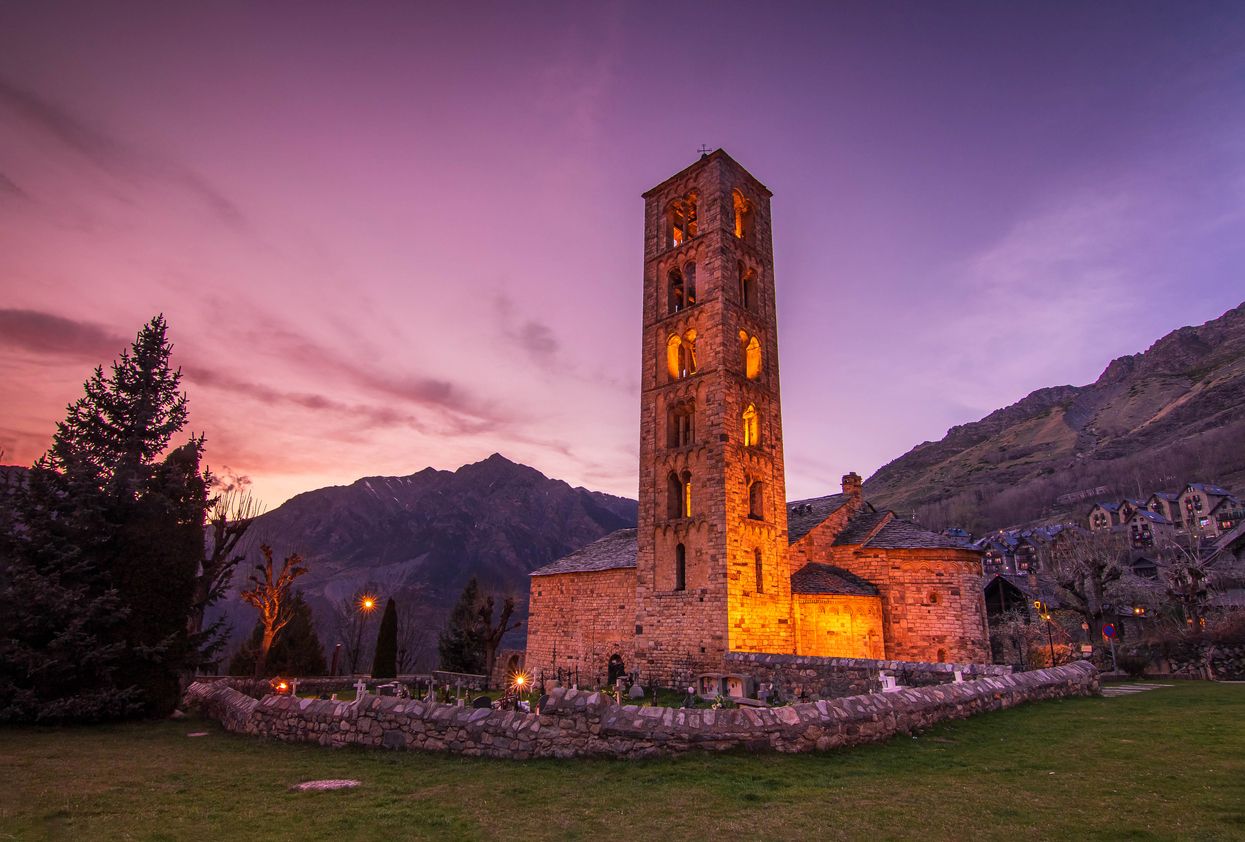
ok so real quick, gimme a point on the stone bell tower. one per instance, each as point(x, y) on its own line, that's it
point(712, 570)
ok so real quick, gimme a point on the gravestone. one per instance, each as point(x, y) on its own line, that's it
point(481, 702)
point(636, 692)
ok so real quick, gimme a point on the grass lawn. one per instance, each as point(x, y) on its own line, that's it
point(1168, 763)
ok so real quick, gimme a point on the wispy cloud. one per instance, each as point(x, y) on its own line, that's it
point(533, 337)
point(120, 159)
point(46, 333)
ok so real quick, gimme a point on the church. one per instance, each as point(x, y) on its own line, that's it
point(720, 562)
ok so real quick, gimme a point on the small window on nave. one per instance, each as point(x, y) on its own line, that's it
point(759, 569)
point(680, 567)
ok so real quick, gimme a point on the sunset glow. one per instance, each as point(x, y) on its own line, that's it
point(407, 235)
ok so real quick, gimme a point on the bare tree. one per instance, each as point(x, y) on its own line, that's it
point(269, 597)
point(417, 643)
point(230, 515)
point(1191, 569)
point(351, 618)
point(1085, 567)
point(491, 633)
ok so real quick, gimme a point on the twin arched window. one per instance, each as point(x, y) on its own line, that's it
point(679, 495)
point(680, 220)
point(681, 355)
point(751, 349)
point(681, 424)
point(681, 288)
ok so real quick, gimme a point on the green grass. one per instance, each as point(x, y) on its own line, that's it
point(1164, 764)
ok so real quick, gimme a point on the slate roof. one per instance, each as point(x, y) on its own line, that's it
point(615, 551)
point(904, 535)
point(803, 516)
point(1207, 488)
point(818, 578)
point(1153, 517)
point(859, 526)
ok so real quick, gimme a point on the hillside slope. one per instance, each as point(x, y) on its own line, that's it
point(1149, 421)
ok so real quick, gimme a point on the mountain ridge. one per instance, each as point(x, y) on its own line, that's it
point(1175, 407)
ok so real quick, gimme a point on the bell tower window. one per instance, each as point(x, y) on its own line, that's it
point(747, 288)
point(681, 355)
point(759, 569)
point(681, 223)
point(752, 426)
point(681, 288)
point(680, 567)
point(756, 500)
point(679, 495)
point(752, 356)
point(743, 216)
point(681, 425)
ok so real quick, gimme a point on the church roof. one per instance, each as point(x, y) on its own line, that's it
point(803, 516)
point(904, 535)
point(860, 526)
point(818, 578)
point(615, 551)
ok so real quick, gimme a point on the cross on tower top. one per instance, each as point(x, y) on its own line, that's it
point(703, 150)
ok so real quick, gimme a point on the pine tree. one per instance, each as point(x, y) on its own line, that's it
point(107, 543)
point(385, 662)
point(296, 652)
point(460, 644)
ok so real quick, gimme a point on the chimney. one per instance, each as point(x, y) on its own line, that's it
point(851, 485)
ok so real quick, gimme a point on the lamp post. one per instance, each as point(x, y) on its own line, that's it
point(367, 604)
point(1050, 637)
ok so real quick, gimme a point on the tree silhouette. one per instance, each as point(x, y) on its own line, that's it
point(268, 595)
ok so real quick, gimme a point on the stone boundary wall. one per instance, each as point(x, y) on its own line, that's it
point(257, 688)
point(581, 724)
point(829, 678)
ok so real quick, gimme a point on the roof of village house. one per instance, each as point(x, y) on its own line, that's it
point(803, 516)
point(819, 578)
point(904, 535)
point(1109, 505)
point(1153, 517)
point(1207, 488)
point(1169, 496)
point(616, 550)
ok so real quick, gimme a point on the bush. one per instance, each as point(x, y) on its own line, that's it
point(1133, 662)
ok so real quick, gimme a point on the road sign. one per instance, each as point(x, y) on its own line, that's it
point(1108, 630)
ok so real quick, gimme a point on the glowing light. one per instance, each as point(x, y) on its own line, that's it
point(519, 682)
point(367, 603)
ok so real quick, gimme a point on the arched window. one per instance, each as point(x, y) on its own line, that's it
point(752, 359)
point(747, 287)
point(752, 427)
point(743, 216)
point(678, 495)
point(680, 567)
point(681, 220)
point(681, 425)
point(676, 298)
point(689, 284)
point(760, 571)
point(756, 500)
point(681, 355)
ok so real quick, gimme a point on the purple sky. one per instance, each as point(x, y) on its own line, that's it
point(391, 235)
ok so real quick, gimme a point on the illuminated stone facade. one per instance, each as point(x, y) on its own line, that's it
point(712, 567)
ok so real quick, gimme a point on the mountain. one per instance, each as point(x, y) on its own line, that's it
point(419, 538)
point(1149, 422)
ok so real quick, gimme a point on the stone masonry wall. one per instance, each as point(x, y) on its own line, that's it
point(583, 618)
point(580, 724)
point(828, 678)
point(838, 626)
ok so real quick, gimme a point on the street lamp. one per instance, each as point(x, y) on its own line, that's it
point(1044, 613)
point(367, 604)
